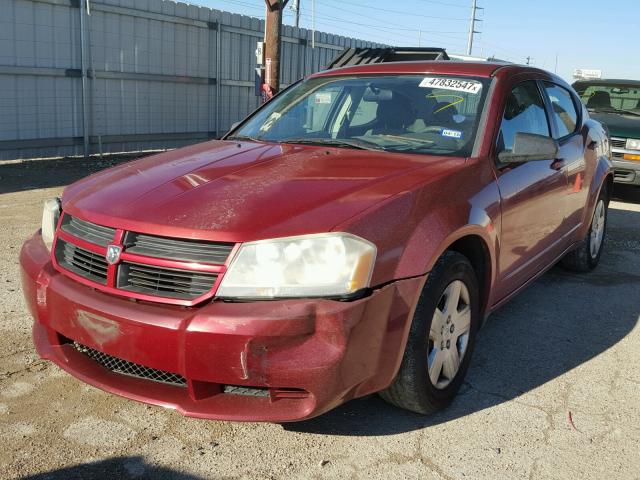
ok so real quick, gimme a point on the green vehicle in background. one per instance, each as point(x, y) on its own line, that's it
point(616, 103)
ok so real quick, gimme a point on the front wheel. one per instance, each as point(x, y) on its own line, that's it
point(587, 255)
point(441, 338)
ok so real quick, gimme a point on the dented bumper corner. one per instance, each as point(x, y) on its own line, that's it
point(274, 361)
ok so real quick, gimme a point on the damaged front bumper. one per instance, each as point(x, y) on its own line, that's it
point(273, 361)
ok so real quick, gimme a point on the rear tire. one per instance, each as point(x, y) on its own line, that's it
point(444, 328)
point(587, 255)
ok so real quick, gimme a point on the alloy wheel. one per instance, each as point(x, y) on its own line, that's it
point(449, 334)
point(597, 228)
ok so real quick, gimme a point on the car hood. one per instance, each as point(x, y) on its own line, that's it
point(624, 126)
point(230, 191)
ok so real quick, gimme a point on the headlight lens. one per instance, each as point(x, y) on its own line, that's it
point(50, 216)
point(633, 144)
point(333, 264)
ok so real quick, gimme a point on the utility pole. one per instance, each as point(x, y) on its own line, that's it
point(528, 60)
point(296, 7)
point(272, 41)
point(472, 25)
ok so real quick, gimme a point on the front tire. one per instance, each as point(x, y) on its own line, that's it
point(441, 339)
point(587, 255)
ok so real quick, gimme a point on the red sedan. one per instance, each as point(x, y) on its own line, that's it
point(349, 237)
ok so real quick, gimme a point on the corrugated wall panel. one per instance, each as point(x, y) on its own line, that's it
point(154, 76)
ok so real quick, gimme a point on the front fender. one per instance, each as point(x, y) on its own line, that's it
point(602, 171)
point(413, 229)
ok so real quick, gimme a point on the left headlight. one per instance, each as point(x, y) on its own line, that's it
point(321, 265)
point(633, 144)
point(50, 216)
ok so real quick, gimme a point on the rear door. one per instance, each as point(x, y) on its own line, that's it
point(566, 129)
point(533, 205)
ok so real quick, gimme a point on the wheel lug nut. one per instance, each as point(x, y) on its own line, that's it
point(448, 343)
point(442, 346)
point(452, 328)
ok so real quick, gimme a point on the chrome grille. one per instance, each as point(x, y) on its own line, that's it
point(124, 367)
point(619, 143)
point(164, 282)
point(87, 231)
point(81, 262)
point(177, 249)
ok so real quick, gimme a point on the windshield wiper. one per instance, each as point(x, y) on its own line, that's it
point(334, 142)
point(244, 137)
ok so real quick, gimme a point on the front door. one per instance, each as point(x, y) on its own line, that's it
point(533, 204)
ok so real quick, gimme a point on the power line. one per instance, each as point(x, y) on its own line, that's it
point(397, 12)
point(445, 3)
point(388, 32)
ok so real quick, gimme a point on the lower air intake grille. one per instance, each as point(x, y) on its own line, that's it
point(81, 262)
point(246, 391)
point(164, 282)
point(124, 367)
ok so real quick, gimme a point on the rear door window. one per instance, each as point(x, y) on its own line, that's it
point(563, 110)
point(524, 113)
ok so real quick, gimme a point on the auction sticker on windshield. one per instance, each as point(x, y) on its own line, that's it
point(469, 86)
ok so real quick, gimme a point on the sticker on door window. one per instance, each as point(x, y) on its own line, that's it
point(470, 86)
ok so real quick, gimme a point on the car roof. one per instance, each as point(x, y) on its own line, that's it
point(447, 67)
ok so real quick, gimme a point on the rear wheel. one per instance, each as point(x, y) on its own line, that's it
point(441, 338)
point(587, 255)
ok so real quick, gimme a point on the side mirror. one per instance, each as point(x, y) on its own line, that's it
point(528, 147)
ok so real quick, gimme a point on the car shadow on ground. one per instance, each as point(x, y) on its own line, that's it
point(113, 468)
point(560, 322)
point(626, 193)
point(32, 174)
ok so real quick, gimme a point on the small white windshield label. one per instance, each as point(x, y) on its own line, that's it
point(323, 97)
point(470, 86)
point(445, 132)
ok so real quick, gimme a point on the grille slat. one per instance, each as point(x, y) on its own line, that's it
point(81, 262)
point(141, 276)
point(124, 367)
point(90, 232)
point(168, 282)
point(79, 255)
point(619, 143)
point(177, 249)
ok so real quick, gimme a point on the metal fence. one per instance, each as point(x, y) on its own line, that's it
point(87, 76)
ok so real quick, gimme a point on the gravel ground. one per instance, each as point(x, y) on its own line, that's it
point(553, 392)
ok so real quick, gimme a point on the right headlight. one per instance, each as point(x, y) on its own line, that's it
point(320, 265)
point(633, 144)
point(50, 216)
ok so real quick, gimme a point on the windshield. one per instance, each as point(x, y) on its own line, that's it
point(610, 98)
point(408, 113)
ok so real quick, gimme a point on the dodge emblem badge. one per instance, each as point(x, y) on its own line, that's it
point(113, 254)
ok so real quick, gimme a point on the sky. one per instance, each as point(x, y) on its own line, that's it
point(582, 34)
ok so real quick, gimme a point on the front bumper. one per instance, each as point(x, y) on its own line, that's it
point(309, 355)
